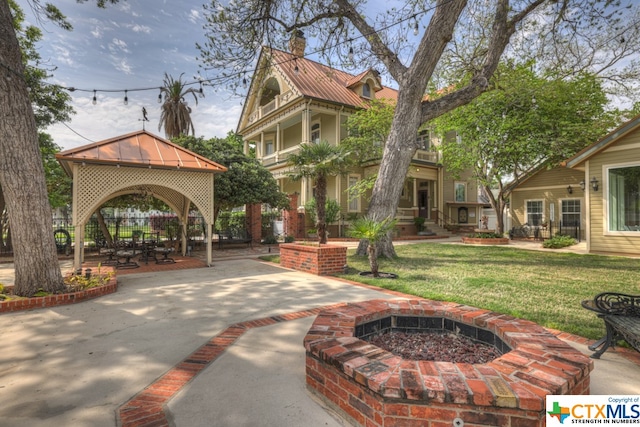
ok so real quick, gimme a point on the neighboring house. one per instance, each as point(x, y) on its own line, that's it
point(611, 172)
point(604, 197)
point(293, 100)
point(551, 200)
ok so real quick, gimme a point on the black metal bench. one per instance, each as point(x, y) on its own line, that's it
point(232, 236)
point(621, 316)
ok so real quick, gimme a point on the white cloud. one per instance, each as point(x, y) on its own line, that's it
point(120, 44)
point(137, 28)
point(193, 16)
point(63, 55)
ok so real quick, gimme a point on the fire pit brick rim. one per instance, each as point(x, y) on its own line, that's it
point(538, 364)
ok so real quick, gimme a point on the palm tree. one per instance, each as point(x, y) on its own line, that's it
point(318, 162)
point(176, 114)
point(372, 231)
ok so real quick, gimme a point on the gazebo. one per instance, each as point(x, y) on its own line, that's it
point(139, 161)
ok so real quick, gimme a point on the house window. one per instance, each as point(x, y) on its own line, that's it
point(624, 198)
point(534, 212)
point(571, 212)
point(268, 147)
point(315, 133)
point(366, 90)
point(460, 191)
point(354, 199)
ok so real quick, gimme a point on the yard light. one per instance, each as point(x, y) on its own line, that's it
point(594, 184)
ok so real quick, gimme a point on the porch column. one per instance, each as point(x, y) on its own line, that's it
point(415, 194)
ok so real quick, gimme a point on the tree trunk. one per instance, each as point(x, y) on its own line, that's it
point(398, 152)
point(373, 261)
point(22, 174)
point(321, 200)
point(2, 219)
point(104, 229)
point(498, 206)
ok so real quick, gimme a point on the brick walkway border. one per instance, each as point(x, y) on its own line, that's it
point(146, 409)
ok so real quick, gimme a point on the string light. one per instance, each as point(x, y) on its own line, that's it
point(222, 78)
point(94, 101)
point(416, 28)
point(201, 91)
point(244, 82)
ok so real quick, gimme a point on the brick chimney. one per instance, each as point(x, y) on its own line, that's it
point(297, 43)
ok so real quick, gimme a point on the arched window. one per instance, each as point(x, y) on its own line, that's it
point(270, 90)
point(366, 90)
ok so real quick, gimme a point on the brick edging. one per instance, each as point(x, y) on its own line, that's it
point(55, 300)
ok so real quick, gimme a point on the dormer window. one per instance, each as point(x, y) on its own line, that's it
point(366, 90)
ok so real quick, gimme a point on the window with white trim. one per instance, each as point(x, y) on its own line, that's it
point(460, 191)
point(315, 133)
point(268, 147)
point(570, 212)
point(624, 198)
point(533, 215)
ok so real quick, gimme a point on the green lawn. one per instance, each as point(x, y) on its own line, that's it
point(545, 287)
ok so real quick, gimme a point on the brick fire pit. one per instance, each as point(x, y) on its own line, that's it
point(375, 388)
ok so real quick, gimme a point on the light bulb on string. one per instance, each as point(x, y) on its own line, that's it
point(201, 91)
point(126, 98)
point(160, 97)
point(244, 82)
point(416, 28)
point(94, 101)
point(350, 54)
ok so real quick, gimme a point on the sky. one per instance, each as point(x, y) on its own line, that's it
point(128, 46)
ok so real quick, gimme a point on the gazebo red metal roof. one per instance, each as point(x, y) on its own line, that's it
point(138, 149)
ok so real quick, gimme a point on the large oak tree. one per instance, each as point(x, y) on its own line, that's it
point(22, 176)
point(454, 39)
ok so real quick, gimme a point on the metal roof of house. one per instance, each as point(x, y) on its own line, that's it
point(315, 80)
point(138, 149)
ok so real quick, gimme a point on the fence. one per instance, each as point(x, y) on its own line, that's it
point(540, 232)
point(163, 227)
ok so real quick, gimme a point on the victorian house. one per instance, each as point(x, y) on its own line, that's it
point(293, 100)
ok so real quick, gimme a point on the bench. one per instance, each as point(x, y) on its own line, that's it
point(229, 237)
point(621, 316)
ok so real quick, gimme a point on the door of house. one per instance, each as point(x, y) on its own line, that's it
point(423, 203)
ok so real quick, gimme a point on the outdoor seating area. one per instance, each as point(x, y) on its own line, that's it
point(621, 316)
point(147, 247)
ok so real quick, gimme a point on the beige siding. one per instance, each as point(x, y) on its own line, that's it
point(291, 136)
point(550, 186)
point(624, 152)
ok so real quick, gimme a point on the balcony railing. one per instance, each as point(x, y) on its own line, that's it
point(273, 105)
point(279, 156)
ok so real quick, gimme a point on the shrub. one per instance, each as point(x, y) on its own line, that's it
point(486, 235)
point(270, 240)
point(289, 239)
point(559, 241)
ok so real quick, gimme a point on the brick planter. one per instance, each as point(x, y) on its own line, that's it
point(315, 259)
point(485, 241)
point(375, 388)
point(59, 299)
